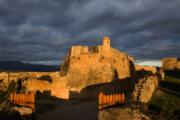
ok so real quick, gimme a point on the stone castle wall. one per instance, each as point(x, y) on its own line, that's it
point(146, 68)
point(145, 87)
point(170, 64)
point(14, 76)
point(92, 68)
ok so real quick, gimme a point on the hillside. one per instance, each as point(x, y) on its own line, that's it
point(165, 102)
point(17, 65)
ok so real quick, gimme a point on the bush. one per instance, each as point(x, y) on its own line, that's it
point(18, 87)
point(12, 71)
point(11, 87)
point(1, 70)
point(46, 77)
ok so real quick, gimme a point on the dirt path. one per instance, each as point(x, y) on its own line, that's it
point(72, 110)
point(69, 110)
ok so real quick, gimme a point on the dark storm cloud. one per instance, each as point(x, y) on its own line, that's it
point(43, 30)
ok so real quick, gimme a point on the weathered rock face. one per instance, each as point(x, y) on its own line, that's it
point(103, 64)
point(145, 87)
point(25, 112)
point(170, 64)
point(121, 114)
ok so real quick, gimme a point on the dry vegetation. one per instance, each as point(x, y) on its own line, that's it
point(165, 102)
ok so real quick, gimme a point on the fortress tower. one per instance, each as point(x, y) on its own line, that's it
point(106, 46)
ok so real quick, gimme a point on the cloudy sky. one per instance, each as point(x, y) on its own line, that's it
point(43, 31)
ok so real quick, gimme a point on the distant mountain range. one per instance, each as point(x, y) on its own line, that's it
point(17, 65)
point(158, 68)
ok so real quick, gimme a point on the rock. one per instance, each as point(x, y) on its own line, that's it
point(145, 87)
point(25, 112)
point(121, 114)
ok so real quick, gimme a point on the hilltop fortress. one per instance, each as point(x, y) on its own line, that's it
point(102, 64)
point(84, 74)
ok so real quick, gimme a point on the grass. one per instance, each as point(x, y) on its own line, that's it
point(165, 100)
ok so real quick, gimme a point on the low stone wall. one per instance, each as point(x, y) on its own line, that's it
point(146, 68)
point(7, 77)
point(145, 87)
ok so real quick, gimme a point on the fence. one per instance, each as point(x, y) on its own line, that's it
point(23, 99)
point(108, 100)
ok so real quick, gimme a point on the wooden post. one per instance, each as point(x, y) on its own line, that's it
point(26, 99)
point(110, 98)
point(114, 98)
point(32, 100)
point(107, 99)
point(123, 98)
point(120, 100)
point(23, 98)
point(101, 99)
point(20, 99)
point(11, 99)
point(117, 98)
point(15, 96)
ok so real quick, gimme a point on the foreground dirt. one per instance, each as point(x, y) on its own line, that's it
point(67, 110)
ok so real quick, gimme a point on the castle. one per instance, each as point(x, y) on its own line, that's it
point(102, 64)
point(84, 74)
point(170, 63)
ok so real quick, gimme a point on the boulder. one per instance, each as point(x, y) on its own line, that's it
point(25, 112)
point(121, 114)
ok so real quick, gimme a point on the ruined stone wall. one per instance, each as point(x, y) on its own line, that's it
point(39, 74)
point(170, 64)
point(55, 89)
point(4, 77)
point(146, 68)
point(145, 87)
point(15, 76)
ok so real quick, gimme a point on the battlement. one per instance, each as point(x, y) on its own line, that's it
point(102, 49)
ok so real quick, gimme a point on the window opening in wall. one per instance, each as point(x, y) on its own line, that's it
point(107, 42)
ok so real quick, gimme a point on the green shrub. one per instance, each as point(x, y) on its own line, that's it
point(1, 70)
point(18, 87)
point(12, 71)
point(11, 87)
point(46, 77)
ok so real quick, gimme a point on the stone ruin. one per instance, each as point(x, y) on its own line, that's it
point(170, 64)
